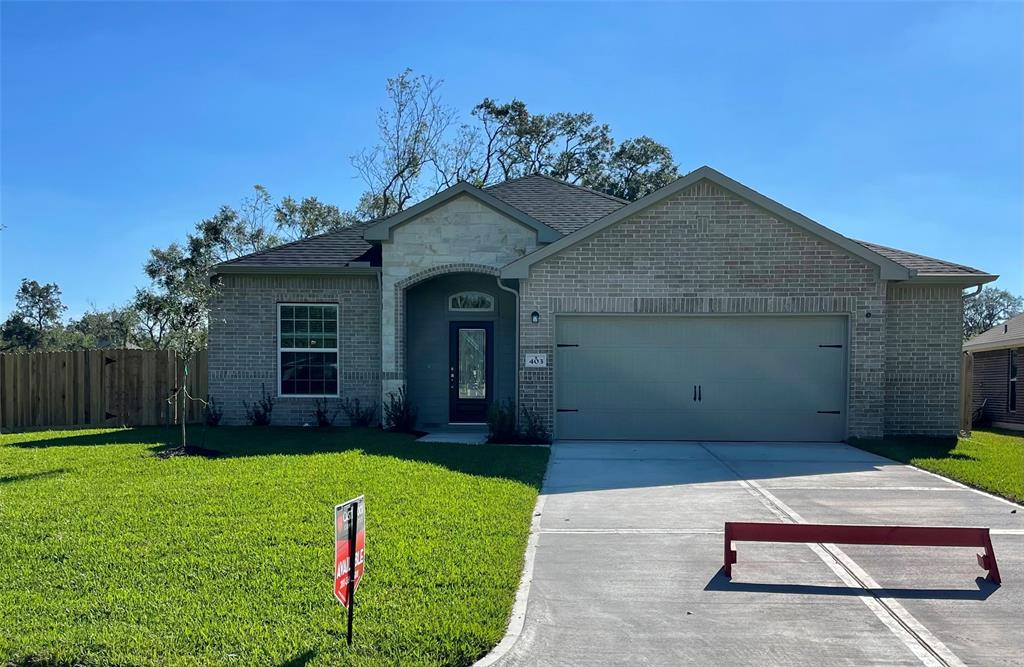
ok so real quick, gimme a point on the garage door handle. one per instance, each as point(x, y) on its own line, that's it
point(700, 388)
point(695, 392)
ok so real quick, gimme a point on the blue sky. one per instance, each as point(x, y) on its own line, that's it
point(124, 124)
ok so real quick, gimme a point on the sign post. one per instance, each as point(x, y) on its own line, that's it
point(349, 553)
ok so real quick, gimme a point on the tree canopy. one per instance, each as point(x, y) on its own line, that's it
point(423, 147)
point(990, 307)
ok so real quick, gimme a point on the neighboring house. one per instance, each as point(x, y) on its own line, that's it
point(702, 311)
point(998, 356)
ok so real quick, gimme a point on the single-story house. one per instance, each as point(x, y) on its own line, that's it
point(998, 355)
point(703, 311)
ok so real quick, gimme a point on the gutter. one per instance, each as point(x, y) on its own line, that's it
point(994, 346)
point(515, 375)
point(963, 279)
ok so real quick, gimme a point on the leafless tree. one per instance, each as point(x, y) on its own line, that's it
point(410, 132)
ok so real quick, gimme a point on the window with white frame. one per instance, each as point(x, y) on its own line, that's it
point(308, 349)
point(471, 302)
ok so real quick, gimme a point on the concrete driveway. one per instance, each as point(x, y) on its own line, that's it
point(629, 548)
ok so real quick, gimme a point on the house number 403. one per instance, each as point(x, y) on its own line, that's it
point(536, 361)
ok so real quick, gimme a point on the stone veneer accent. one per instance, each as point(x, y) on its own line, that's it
point(923, 331)
point(707, 251)
point(462, 235)
point(243, 349)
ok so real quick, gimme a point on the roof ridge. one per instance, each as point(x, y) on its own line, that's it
point(618, 200)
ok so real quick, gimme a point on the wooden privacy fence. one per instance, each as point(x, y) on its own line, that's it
point(95, 387)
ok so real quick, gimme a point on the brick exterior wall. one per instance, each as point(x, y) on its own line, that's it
point(462, 235)
point(923, 332)
point(243, 350)
point(707, 251)
point(702, 251)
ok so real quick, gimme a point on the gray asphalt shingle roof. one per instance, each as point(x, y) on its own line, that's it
point(562, 206)
point(556, 203)
point(1008, 334)
point(559, 205)
point(328, 249)
point(920, 263)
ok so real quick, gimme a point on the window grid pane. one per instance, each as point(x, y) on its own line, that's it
point(309, 373)
point(307, 330)
point(309, 327)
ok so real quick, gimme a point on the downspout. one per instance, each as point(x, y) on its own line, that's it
point(973, 294)
point(515, 374)
point(380, 343)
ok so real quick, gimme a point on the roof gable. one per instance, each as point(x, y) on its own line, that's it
point(890, 270)
point(381, 230)
point(555, 208)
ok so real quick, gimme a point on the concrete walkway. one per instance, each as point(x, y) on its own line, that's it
point(629, 549)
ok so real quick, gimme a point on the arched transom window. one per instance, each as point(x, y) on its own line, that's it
point(471, 301)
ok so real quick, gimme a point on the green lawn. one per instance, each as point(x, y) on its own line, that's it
point(992, 461)
point(110, 555)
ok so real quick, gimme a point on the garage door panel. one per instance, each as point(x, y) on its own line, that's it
point(606, 395)
point(746, 395)
point(761, 377)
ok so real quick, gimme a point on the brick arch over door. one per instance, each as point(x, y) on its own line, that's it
point(402, 286)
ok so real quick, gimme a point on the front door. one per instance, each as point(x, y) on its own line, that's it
point(470, 371)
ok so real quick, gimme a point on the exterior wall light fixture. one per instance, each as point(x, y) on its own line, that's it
point(535, 317)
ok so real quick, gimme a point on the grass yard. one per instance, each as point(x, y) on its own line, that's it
point(113, 556)
point(992, 461)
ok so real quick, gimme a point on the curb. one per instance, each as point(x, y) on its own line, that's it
point(517, 619)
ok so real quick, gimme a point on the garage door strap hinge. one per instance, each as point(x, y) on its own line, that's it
point(567, 410)
point(837, 346)
point(828, 412)
point(567, 345)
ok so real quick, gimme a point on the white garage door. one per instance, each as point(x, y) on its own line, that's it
point(626, 377)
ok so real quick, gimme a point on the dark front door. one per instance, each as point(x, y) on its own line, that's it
point(470, 370)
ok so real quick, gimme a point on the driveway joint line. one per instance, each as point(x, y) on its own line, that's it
point(915, 636)
point(631, 531)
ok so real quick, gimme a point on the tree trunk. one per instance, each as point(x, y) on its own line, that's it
point(184, 443)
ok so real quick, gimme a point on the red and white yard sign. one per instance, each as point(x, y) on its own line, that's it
point(346, 539)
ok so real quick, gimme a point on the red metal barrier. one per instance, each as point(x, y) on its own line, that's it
point(910, 536)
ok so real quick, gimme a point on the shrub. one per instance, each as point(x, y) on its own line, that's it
point(358, 415)
point(258, 414)
point(534, 432)
point(322, 412)
point(501, 422)
point(214, 413)
point(502, 428)
point(399, 414)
